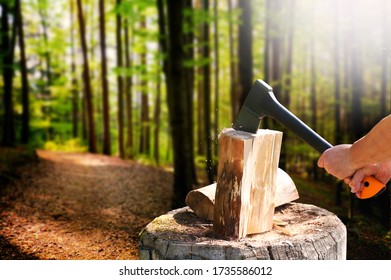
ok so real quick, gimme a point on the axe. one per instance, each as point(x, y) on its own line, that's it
point(261, 102)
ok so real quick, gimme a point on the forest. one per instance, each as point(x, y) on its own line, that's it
point(156, 81)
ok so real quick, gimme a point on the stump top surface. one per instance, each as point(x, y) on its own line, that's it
point(305, 224)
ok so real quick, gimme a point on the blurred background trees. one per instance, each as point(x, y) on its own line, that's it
point(157, 80)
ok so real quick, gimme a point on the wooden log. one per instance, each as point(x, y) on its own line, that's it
point(314, 234)
point(246, 177)
point(202, 200)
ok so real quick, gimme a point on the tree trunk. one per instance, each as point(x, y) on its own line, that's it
point(232, 65)
point(357, 78)
point(120, 115)
point(42, 10)
point(145, 134)
point(206, 95)
point(245, 51)
point(128, 93)
point(7, 47)
point(105, 86)
point(190, 73)
point(25, 134)
point(289, 53)
point(267, 52)
point(156, 118)
point(216, 79)
point(87, 82)
point(266, 62)
point(184, 172)
point(74, 88)
point(314, 109)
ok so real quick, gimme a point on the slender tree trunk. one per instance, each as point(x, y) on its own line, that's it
point(267, 52)
point(145, 135)
point(128, 93)
point(120, 115)
point(156, 117)
point(25, 134)
point(199, 86)
point(206, 94)
point(357, 79)
point(190, 73)
point(47, 73)
point(232, 64)
point(313, 93)
point(74, 87)
point(276, 47)
point(267, 67)
point(105, 86)
point(7, 47)
point(245, 51)
point(87, 82)
point(216, 78)
point(314, 109)
point(43, 17)
point(289, 53)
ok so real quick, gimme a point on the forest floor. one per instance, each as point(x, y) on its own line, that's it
point(58, 205)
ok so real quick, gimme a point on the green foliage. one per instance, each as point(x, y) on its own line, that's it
point(71, 145)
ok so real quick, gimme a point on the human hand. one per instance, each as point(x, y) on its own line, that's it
point(336, 161)
point(381, 171)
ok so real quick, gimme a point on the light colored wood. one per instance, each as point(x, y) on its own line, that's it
point(246, 182)
point(314, 234)
point(202, 200)
point(286, 190)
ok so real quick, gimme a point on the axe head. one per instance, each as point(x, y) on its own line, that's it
point(255, 107)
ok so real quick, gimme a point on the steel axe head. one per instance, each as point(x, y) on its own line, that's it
point(255, 107)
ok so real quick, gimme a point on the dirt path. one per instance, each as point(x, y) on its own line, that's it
point(80, 206)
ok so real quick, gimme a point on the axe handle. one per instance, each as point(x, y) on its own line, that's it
point(372, 186)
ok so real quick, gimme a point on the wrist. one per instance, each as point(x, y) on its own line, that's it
point(355, 155)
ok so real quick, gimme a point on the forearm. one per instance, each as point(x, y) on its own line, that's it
point(374, 147)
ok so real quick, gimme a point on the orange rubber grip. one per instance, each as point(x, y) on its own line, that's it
point(372, 187)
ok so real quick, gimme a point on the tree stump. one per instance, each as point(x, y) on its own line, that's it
point(311, 233)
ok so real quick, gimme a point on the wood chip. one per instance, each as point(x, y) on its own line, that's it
point(282, 230)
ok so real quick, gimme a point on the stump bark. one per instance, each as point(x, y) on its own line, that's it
point(315, 234)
